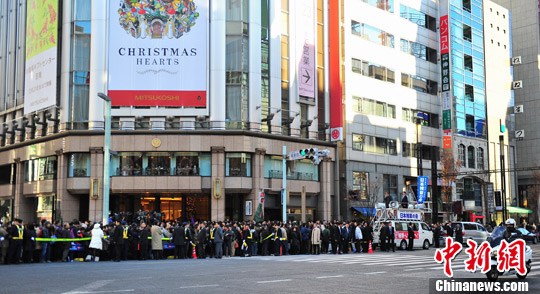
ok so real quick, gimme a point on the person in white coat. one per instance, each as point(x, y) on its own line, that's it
point(96, 244)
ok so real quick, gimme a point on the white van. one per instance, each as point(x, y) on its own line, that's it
point(423, 236)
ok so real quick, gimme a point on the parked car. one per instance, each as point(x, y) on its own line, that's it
point(472, 231)
point(528, 236)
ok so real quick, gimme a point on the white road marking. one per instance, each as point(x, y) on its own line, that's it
point(274, 281)
point(328, 277)
point(90, 287)
point(107, 291)
point(374, 273)
point(198, 286)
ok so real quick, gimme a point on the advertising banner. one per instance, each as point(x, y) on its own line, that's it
point(158, 53)
point(305, 42)
point(422, 188)
point(41, 55)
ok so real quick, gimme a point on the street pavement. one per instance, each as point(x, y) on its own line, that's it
point(380, 272)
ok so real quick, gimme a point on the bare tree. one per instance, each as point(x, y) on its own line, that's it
point(450, 169)
point(374, 187)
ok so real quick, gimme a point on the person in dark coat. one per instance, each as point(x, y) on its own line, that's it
point(335, 237)
point(436, 235)
point(218, 241)
point(391, 238)
point(458, 233)
point(410, 236)
point(383, 237)
point(368, 236)
point(118, 240)
point(29, 244)
point(405, 200)
point(179, 241)
point(143, 241)
point(201, 241)
point(449, 230)
point(387, 199)
point(16, 234)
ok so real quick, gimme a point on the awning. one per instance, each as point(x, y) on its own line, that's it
point(368, 211)
point(513, 209)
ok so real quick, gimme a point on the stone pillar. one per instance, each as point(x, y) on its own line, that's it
point(257, 177)
point(217, 197)
point(95, 212)
point(67, 206)
point(23, 207)
point(324, 207)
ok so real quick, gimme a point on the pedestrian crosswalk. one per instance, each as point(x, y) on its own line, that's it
point(408, 262)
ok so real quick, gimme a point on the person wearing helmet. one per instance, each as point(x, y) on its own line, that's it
point(511, 229)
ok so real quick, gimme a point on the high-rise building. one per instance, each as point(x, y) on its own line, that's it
point(205, 96)
point(413, 78)
point(525, 29)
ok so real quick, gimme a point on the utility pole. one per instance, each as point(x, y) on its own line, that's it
point(503, 177)
point(434, 186)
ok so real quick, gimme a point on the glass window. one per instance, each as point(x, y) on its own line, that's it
point(40, 169)
point(468, 62)
point(387, 5)
point(480, 158)
point(129, 164)
point(461, 154)
point(7, 174)
point(159, 164)
point(467, 33)
point(360, 184)
point(79, 165)
point(372, 34)
point(418, 17)
point(238, 165)
point(358, 142)
point(470, 157)
point(186, 164)
point(390, 185)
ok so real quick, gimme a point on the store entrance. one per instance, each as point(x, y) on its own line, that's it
point(170, 207)
point(161, 206)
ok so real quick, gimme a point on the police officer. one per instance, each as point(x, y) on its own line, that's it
point(16, 232)
point(410, 236)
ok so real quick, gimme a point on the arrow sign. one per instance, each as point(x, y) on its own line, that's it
point(306, 75)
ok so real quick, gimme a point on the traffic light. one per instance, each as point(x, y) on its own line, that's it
point(310, 153)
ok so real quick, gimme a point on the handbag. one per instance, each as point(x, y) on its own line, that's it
point(235, 244)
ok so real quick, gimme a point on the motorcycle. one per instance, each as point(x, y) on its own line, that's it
point(495, 241)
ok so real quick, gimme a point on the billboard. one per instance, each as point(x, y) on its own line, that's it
point(158, 53)
point(41, 55)
point(305, 48)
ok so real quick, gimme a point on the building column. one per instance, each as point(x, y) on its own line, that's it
point(217, 198)
point(98, 66)
point(24, 207)
point(67, 206)
point(95, 212)
point(218, 48)
point(257, 177)
point(324, 206)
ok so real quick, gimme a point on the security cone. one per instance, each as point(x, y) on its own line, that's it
point(370, 249)
point(194, 253)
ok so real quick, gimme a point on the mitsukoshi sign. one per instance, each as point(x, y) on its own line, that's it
point(158, 52)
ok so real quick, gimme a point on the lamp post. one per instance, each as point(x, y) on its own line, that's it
point(106, 157)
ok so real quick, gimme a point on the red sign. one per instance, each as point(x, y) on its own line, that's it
point(445, 41)
point(447, 142)
point(404, 235)
point(334, 56)
point(158, 98)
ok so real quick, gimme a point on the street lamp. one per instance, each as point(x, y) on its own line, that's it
point(106, 157)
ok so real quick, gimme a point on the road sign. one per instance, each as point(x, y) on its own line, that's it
point(520, 134)
point(295, 155)
point(518, 108)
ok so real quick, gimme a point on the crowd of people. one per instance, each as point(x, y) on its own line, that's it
point(150, 238)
